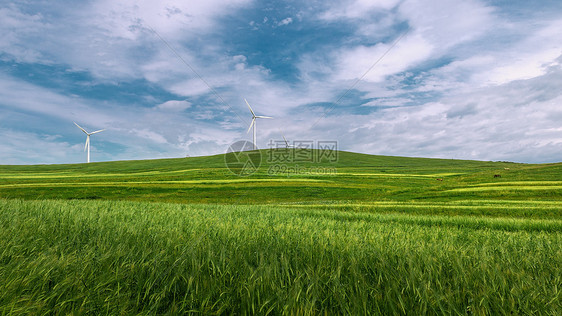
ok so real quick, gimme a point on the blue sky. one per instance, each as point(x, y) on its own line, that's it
point(466, 79)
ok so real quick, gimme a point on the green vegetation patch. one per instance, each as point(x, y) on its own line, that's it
point(402, 175)
point(374, 235)
point(106, 257)
point(474, 208)
point(55, 175)
point(522, 183)
point(509, 187)
point(351, 177)
point(128, 183)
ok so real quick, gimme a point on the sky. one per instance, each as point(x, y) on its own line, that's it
point(454, 79)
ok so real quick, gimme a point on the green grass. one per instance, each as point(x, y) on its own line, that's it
point(163, 182)
point(511, 187)
point(355, 177)
point(146, 258)
point(373, 235)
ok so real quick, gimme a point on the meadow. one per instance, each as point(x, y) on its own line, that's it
point(381, 235)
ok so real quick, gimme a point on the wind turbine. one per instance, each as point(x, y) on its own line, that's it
point(287, 143)
point(254, 117)
point(87, 146)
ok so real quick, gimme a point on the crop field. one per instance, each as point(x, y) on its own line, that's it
point(374, 235)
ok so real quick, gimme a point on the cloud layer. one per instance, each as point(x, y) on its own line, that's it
point(450, 79)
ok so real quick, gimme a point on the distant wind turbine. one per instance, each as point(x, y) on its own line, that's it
point(87, 146)
point(287, 143)
point(253, 124)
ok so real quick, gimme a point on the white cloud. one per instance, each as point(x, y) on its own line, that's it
point(191, 87)
point(174, 105)
point(17, 147)
point(354, 62)
point(111, 40)
point(532, 56)
point(526, 67)
point(434, 29)
point(353, 9)
point(23, 96)
point(150, 135)
point(285, 21)
point(16, 27)
point(445, 23)
point(517, 121)
point(170, 18)
point(494, 99)
point(529, 58)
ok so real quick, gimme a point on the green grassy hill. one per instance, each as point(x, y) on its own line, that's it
point(351, 177)
point(358, 235)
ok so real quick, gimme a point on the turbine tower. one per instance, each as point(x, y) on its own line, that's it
point(253, 124)
point(87, 146)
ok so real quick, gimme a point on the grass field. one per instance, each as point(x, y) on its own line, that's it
point(356, 177)
point(375, 235)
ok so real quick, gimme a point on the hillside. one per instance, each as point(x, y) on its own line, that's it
point(348, 177)
point(360, 234)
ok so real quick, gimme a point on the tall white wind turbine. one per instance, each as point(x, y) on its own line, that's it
point(87, 146)
point(253, 124)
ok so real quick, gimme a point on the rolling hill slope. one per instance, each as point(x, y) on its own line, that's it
point(348, 177)
point(360, 234)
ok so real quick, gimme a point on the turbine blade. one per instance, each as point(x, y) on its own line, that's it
point(101, 130)
point(261, 116)
point(80, 127)
point(251, 124)
point(286, 142)
point(249, 107)
point(87, 143)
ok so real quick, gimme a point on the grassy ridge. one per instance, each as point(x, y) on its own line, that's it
point(356, 177)
point(128, 257)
